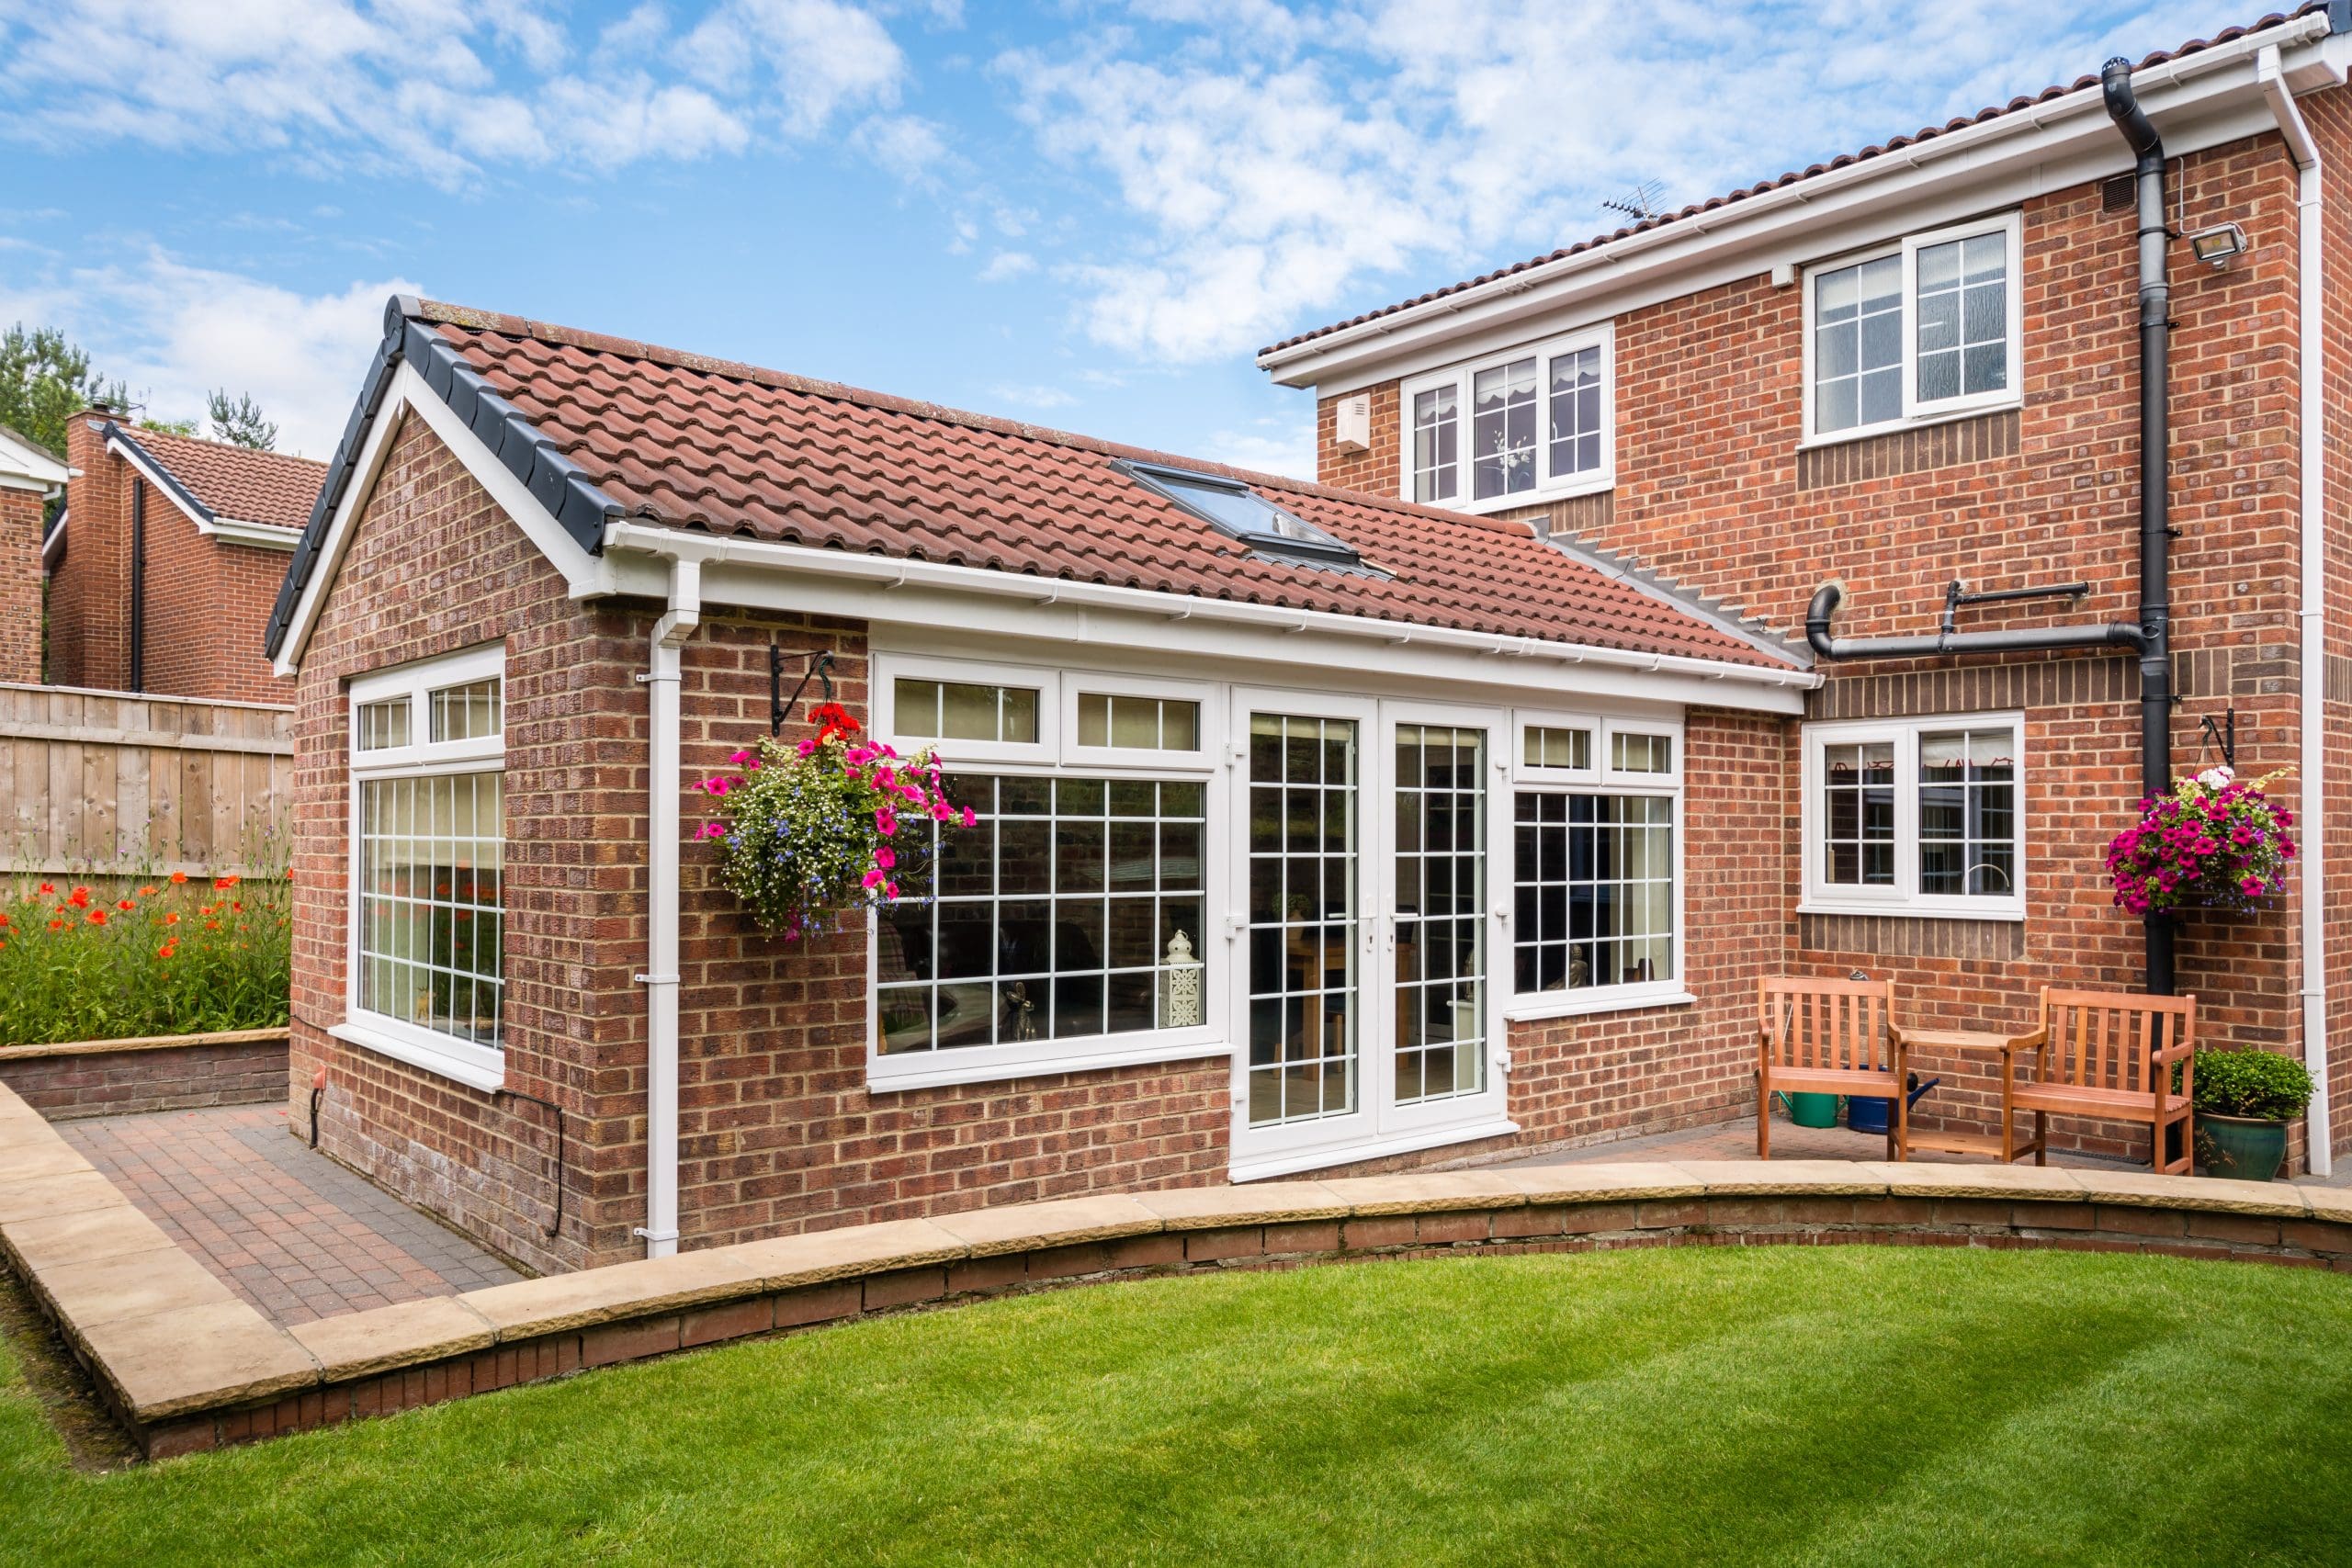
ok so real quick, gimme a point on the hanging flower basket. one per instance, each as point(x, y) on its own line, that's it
point(2215, 841)
point(827, 828)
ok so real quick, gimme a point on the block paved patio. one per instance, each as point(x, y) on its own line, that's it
point(293, 1233)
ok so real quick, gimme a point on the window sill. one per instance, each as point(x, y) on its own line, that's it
point(1523, 498)
point(473, 1065)
point(1545, 1005)
point(1896, 427)
point(1374, 1148)
point(935, 1069)
point(2009, 913)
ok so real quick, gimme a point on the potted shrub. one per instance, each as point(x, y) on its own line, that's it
point(827, 829)
point(2214, 841)
point(2245, 1099)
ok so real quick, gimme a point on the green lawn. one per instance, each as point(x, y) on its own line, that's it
point(1863, 1405)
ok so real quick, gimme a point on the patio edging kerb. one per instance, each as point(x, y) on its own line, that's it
point(188, 1366)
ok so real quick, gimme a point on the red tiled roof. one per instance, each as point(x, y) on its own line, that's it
point(237, 481)
point(730, 449)
point(2195, 46)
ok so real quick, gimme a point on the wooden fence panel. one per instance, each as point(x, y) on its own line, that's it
point(109, 780)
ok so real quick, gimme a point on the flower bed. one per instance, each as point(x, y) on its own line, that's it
point(174, 956)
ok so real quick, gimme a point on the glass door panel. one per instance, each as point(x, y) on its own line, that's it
point(1303, 914)
point(1440, 868)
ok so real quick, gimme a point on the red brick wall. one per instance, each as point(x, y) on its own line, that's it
point(1711, 491)
point(208, 602)
point(89, 598)
point(119, 1083)
point(20, 584)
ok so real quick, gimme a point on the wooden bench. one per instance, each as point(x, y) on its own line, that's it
point(2108, 1056)
point(1829, 1037)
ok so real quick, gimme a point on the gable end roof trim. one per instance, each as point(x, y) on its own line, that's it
point(554, 480)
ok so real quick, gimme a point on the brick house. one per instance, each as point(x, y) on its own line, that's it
point(1482, 780)
point(30, 477)
point(166, 559)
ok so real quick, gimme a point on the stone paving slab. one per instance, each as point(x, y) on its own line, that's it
point(291, 1233)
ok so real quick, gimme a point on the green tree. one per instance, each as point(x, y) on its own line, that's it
point(44, 381)
point(241, 422)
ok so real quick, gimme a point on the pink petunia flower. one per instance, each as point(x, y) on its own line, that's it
point(715, 786)
point(807, 748)
point(713, 831)
point(886, 857)
point(885, 821)
point(971, 817)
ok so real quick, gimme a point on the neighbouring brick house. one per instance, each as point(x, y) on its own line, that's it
point(1478, 831)
point(166, 559)
point(30, 476)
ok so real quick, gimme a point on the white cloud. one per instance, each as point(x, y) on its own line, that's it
point(1030, 396)
point(905, 145)
point(1006, 265)
point(1281, 162)
point(173, 333)
point(1288, 451)
point(446, 88)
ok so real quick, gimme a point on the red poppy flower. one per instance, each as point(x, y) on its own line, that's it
point(125, 904)
point(98, 917)
point(179, 877)
point(49, 886)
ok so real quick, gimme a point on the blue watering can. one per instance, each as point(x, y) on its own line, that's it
point(1868, 1113)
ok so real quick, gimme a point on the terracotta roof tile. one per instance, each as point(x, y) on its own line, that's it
point(237, 481)
point(729, 449)
point(1928, 133)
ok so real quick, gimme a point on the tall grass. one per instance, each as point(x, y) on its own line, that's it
point(112, 958)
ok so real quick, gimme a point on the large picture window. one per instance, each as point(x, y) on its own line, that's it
point(1923, 328)
point(1064, 928)
point(428, 980)
point(1916, 817)
point(1516, 427)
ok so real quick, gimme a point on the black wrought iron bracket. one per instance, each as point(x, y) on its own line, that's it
point(2221, 737)
point(821, 665)
point(1956, 594)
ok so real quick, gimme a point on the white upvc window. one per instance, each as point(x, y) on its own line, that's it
point(1922, 329)
point(1596, 897)
point(426, 971)
point(1066, 930)
point(1525, 425)
point(1916, 817)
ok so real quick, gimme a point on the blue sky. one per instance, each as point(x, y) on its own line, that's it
point(1084, 215)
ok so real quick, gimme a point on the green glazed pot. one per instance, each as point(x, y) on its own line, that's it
point(2241, 1148)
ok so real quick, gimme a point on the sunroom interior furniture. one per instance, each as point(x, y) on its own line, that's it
point(2112, 1056)
point(1824, 1036)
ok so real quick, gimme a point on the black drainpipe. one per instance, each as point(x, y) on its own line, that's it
point(137, 584)
point(2152, 637)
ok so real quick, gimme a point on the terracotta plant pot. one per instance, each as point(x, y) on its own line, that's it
point(2243, 1148)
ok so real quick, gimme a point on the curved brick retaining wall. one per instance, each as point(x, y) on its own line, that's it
point(189, 1367)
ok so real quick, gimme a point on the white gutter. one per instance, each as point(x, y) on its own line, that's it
point(677, 546)
point(1732, 225)
point(2311, 615)
point(661, 976)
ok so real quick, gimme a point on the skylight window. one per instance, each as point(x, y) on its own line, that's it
point(1234, 508)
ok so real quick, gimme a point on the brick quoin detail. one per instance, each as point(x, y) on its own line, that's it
point(1713, 492)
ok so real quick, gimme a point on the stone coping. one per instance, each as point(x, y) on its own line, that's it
point(188, 1366)
point(144, 1042)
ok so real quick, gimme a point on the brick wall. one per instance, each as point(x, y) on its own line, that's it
point(208, 601)
point(20, 584)
point(65, 1086)
point(1712, 492)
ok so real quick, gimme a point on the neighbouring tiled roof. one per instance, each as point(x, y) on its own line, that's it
point(2195, 46)
point(722, 449)
point(235, 481)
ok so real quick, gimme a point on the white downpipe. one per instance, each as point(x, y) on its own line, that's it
point(661, 976)
point(2311, 612)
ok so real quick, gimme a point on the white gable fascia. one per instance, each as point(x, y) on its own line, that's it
point(2199, 100)
point(170, 488)
point(53, 547)
point(756, 574)
point(585, 576)
point(23, 466)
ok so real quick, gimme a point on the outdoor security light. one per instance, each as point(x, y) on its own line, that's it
point(2220, 245)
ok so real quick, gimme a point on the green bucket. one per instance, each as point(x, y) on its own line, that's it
point(1810, 1109)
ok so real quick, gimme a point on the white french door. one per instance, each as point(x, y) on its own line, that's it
point(1368, 853)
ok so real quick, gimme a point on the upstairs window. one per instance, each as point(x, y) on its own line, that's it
point(1233, 507)
point(1515, 428)
point(1920, 329)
